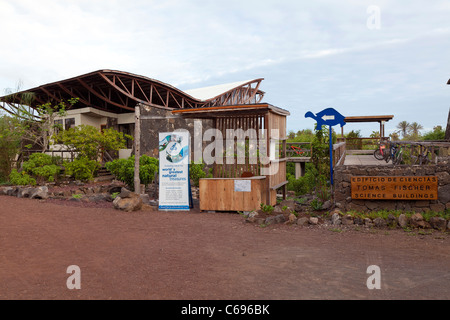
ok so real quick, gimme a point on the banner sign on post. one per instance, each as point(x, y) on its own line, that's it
point(174, 171)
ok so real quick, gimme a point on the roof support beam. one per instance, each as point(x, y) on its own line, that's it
point(104, 98)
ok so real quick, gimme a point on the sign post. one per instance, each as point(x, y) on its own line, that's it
point(329, 117)
point(174, 186)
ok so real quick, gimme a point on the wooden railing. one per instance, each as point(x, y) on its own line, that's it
point(69, 155)
point(362, 143)
point(339, 152)
point(434, 150)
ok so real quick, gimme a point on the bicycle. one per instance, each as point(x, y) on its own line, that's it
point(297, 150)
point(398, 156)
point(390, 154)
point(422, 158)
point(380, 152)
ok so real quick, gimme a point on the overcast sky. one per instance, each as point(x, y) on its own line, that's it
point(360, 57)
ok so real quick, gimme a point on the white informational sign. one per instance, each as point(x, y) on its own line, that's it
point(242, 186)
point(174, 171)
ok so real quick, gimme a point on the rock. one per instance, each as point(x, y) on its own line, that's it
point(290, 204)
point(277, 209)
point(302, 221)
point(391, 221)
point(438, 223)
point(252, 216)
point(336, 219)
point(347, 220)
point(326, 205)
point(368, 222)
point(125, 193)
point(40, 193)
point(292, 219)
point(437, 207)
point(403, 220)
point(147, 207)
point(245, 214)
point(25, 192)
point(444, 193)
point(133, 203)
point(313, 220)
point(145, 198)
point(100, 197)
point(358, 221)
point(10, 191)
point(275, 219)
point(379, 222)
point(417, 221)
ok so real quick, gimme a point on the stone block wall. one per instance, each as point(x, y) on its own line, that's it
point(344, 201)
point(155, 120)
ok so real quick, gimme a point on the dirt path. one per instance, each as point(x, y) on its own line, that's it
point(176, 255)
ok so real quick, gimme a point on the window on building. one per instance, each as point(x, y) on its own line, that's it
point(128, 129)
point(69, 123)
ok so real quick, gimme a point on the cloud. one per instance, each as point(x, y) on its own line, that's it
point(312, 54)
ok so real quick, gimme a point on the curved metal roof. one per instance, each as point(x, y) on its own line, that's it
point(118, 92)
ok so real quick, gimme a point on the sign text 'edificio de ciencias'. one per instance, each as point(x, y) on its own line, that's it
point(395, 188)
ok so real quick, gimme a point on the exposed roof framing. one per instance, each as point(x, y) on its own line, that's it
point(385, 118)
point(119, 92)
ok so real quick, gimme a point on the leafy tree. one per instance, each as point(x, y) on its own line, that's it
point(415, 129)
point(437, 134)
point(404, 127)
point(36, 124)
point(10, 139)
point(394, 136)
point(90, 142)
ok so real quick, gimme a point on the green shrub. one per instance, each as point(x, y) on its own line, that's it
point(82, 168)
point(197, 172)
point(316, 204)
point(266, 208)
point(42, 167)
point(21, 179)
point(123, 170)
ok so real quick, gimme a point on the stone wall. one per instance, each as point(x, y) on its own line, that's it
point(155, 120)
point(344, 201)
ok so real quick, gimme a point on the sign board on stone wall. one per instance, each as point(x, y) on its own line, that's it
point(395, 188)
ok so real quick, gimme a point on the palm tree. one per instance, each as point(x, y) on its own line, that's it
point(404, 127)
point(415, 129)
point(394, 136)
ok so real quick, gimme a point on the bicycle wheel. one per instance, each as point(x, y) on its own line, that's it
point(399, 158)
point(423, 159)
point(378, 155)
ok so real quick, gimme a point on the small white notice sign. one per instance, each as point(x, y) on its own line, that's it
point(242, 185)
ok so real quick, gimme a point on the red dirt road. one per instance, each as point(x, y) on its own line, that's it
point(216, 256)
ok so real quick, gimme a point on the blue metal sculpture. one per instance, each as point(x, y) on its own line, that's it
point(328, 117)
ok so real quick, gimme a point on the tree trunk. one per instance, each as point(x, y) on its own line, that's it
point(137, 147)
